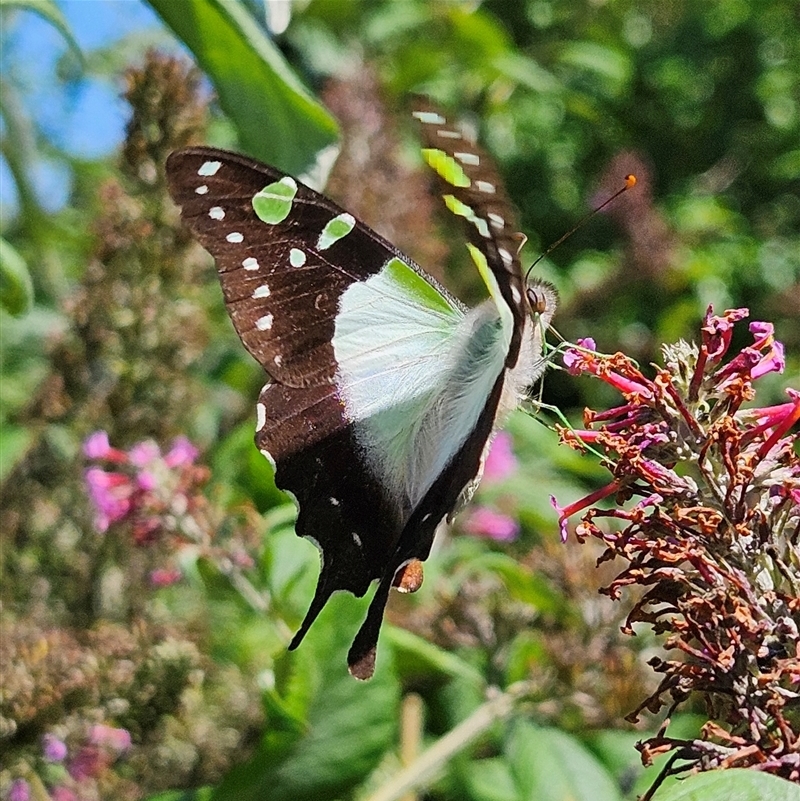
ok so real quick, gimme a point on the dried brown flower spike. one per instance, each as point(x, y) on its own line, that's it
point(713, 538)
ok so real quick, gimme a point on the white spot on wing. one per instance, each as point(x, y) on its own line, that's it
point(250, 263)
point(468, 158)
point(216, 213)
point(430, 117)
point(333, 501)
point(496, 220)
point(209, 168)
point(235, 238)
point(278, 359)
point(201, 190)
point(507, 258)
point(357, 539)
point(264, 323)
point(450, 134)
point(261, 291)
point(515, 294)
point(261, 416)
point(271, 459)
point(296, 257)
point(485, 186)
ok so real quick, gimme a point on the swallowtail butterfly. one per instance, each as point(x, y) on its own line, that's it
point(384, 389)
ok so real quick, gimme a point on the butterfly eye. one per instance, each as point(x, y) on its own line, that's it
point(537, 300)
point(543, 299)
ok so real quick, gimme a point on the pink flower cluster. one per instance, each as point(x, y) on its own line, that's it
point(71, 778)
point(152, 492)
point(645, 437)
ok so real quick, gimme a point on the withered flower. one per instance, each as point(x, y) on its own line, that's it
point(712, 540)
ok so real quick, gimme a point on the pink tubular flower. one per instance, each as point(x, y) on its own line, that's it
point(501, 462)
point(579, 361)
point(783, 425)
point(485, 522)
point(97, 446)
point(565, 512)
point(111, 495)
point(717, 332)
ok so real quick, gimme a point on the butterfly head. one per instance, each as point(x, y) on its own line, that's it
point(543, 299)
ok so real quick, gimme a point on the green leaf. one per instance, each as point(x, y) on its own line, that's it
point(523, 584)
point(49, 10)
point(203, 794)
point(14, 443)
point(610, 65)
point(551, 765)
point(349, 725)
point(277, 119)
point(490, 780)
point(417, 659)
point(616, 749)
point(736, 784)
point(16, 287)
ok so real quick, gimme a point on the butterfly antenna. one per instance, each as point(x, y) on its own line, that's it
point(630, 182)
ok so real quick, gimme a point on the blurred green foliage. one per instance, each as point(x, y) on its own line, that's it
point(700, 99)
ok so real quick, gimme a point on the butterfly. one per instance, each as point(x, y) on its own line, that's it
point(384, 390)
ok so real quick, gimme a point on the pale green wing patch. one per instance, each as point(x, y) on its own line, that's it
point(274, 202)
point(461, 209)
point(336, 229)
point(446, 167)
point(414, 372)
point(418, 289)
point(490, 280)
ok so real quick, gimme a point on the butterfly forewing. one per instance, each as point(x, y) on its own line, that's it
point(282, 278)
point(473, 190)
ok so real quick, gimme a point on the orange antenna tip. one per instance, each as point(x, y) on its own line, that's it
point(630, 181)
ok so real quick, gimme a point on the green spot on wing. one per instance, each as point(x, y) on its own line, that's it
point(274, 202)
point(420, 289)
point(463, 210)
point(445, 166)
point(340, 226)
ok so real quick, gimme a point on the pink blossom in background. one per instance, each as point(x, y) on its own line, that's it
point(484, 522)
point(143, 453)
point(97, 446)
point(501, 462)
point(63, 794)
point(182, 453)
point(20, 790)
point(53, 749)
point(165, 576)
point(87, 763)
point(111, 495)
point(118, 740)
